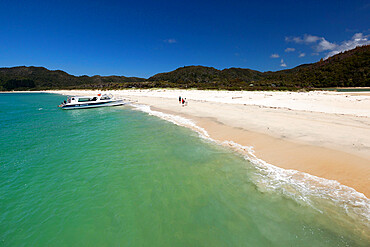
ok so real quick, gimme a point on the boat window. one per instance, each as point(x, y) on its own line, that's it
point(83, 99)
point(104, 97)
point(94, 99)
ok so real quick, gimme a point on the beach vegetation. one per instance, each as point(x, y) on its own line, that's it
point(347, 69)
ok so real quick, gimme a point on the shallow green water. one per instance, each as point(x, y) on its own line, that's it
point(119, 177)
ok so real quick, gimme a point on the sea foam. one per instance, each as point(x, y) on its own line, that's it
point(308, 190)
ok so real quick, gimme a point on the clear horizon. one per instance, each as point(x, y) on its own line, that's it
point(145, 38)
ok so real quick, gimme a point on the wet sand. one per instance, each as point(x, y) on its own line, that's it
point(326, 134)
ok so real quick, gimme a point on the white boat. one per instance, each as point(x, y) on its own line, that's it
point(83, 102)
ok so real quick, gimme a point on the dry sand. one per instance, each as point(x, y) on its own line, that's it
point(326, 134)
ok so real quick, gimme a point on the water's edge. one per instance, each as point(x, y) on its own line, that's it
point(319, 193)
point(137, 175)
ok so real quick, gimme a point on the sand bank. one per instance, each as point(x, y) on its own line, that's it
point(326, 134)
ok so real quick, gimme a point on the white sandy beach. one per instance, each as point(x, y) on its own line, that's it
point(326, 134)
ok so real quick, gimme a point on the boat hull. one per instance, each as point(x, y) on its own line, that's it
point(86, 106)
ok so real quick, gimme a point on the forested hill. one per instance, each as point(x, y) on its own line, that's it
point(26, 78)
point(193, 75)
point(348, 69)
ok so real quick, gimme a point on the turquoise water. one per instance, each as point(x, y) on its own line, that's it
point(119, 177)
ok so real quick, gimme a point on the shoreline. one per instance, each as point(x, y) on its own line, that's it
point(333, 145)
point(322, 162)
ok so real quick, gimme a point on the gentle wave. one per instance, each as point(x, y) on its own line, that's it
point(320, 193)
point(181, 121)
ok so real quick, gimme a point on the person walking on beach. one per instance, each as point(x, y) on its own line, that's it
point(179, 99)
point(182, 101)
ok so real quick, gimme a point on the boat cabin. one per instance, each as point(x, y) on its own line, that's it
point(81, 102)
point(86, 99)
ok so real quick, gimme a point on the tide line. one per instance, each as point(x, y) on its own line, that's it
point(305, 189)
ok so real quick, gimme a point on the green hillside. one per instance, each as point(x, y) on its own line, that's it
point(348, 69)
point(208, 77)
point(26, 78)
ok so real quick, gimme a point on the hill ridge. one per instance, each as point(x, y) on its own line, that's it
point(347, 69)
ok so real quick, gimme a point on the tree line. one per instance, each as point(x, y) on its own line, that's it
point(348, 69)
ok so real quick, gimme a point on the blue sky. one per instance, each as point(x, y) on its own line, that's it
point(142, 38)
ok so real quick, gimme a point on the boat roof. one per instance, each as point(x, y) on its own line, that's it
point(89, 95)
